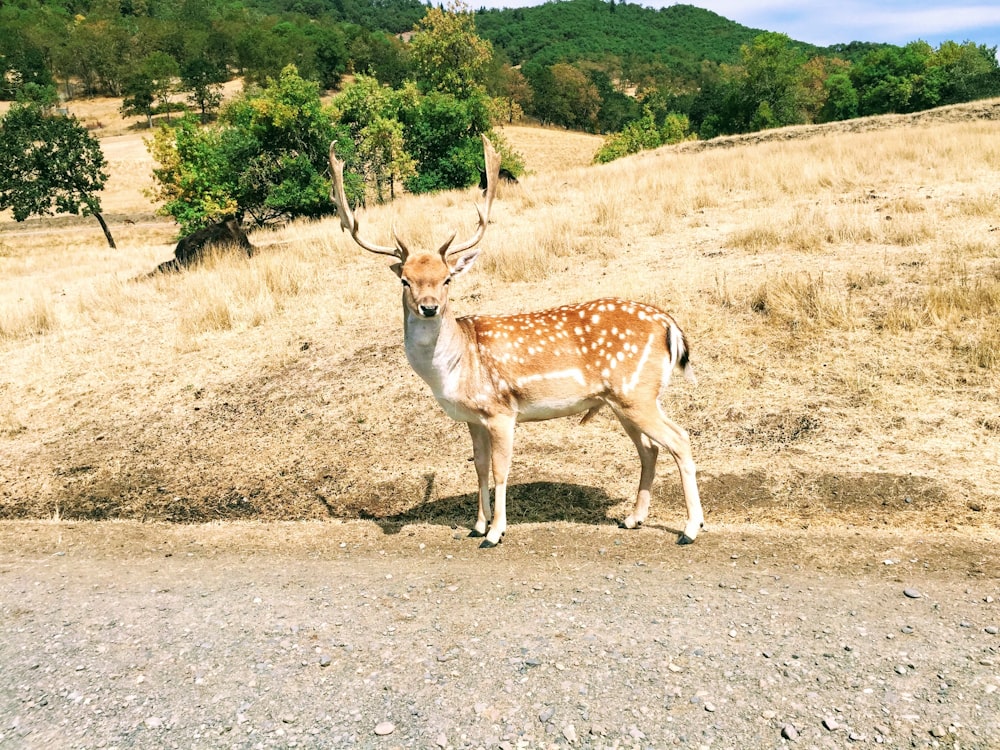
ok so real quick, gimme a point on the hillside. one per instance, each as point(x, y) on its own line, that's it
point(812, 276)
point(678, 35)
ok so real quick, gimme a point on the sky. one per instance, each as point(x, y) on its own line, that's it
point(827, 22)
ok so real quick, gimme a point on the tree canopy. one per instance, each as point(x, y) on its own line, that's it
point(266, 159)
point(51, 164)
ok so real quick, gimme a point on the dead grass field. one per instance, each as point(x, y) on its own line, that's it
point(841, 293)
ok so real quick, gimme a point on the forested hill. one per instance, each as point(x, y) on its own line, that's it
point(678, 36)
point(567, 30)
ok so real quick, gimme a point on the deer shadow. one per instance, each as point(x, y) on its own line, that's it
point(531, 502)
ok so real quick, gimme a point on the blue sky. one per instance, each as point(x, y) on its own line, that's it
point(825, 22)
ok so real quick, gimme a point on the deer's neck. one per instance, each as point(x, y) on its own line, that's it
point(436, 349)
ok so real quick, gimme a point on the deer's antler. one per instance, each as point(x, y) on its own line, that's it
point(347, 219)
point(492, 177)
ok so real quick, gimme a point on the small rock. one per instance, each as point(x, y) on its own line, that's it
point(710, 707)
point(325, 661)
point(442, 740)
point(789, 732)
point(911, 593)
point(569, 732)
point(768, 715)
point(289, 718)
point(907, 629)
point(154, 722)
point(385, 728)
point(938, 731)
point(992, 629)
point(831, 724)
point(900, 669)
point(855, 737)
point(546, 714)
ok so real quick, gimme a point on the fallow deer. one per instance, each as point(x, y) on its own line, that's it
point(492, 371)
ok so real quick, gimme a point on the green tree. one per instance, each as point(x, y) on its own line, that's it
point(140, 99)
point(442, 135)
point(51, 165)
point(160, 69)
point(203, 80)
point(447, 54)
point(511, 91)
point(887, 77)
point(841, 98)
point(382, 156)
point(267, 158)
point(564, 96)
point(968, 71)
point(193, 178)
point(771, 85)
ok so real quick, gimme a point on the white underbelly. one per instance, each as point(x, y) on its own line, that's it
point(553, 408)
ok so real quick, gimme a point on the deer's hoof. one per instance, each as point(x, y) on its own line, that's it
point(685, 539)
point(475, 534)
point(487, 544)
point(630, 523)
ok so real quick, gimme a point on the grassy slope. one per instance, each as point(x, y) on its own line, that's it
point(840, 293)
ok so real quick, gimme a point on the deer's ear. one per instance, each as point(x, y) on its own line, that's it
point(464, 263)
point(397, 268)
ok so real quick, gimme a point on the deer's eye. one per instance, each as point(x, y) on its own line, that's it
point(405, 283)
point(447, 281)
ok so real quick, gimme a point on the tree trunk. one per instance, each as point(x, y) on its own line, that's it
point(107, 232)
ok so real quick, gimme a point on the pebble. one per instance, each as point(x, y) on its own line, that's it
point(546, 714)
point(569, 732)
point(992, 629)
point(831, 724)
point(154, 722)
point(911, 593)
point(855, 737)
point(442, 740)
point(325, 661)
point(385, 728)
point(789, 732)
point(710, 707)
point(938, 731)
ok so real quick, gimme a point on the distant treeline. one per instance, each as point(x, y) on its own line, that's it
point(583, 64)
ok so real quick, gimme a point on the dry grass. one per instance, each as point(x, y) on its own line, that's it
point(840, 294)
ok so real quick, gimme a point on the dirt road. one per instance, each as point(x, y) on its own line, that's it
point(329, 635)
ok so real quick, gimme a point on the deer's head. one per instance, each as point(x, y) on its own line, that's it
point(425, 274)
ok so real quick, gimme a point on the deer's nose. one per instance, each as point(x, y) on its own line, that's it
point(428, 311)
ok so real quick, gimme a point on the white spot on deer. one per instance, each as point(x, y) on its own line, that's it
point(629, 385)
point(595, 319)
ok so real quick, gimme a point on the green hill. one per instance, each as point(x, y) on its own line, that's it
point(680, 36)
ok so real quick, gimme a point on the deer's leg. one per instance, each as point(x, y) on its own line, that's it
point(481, 453)
point(674, 438)
point(648, 452)
point(501, 431)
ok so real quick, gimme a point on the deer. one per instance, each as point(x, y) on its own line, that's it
point(493, 371)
